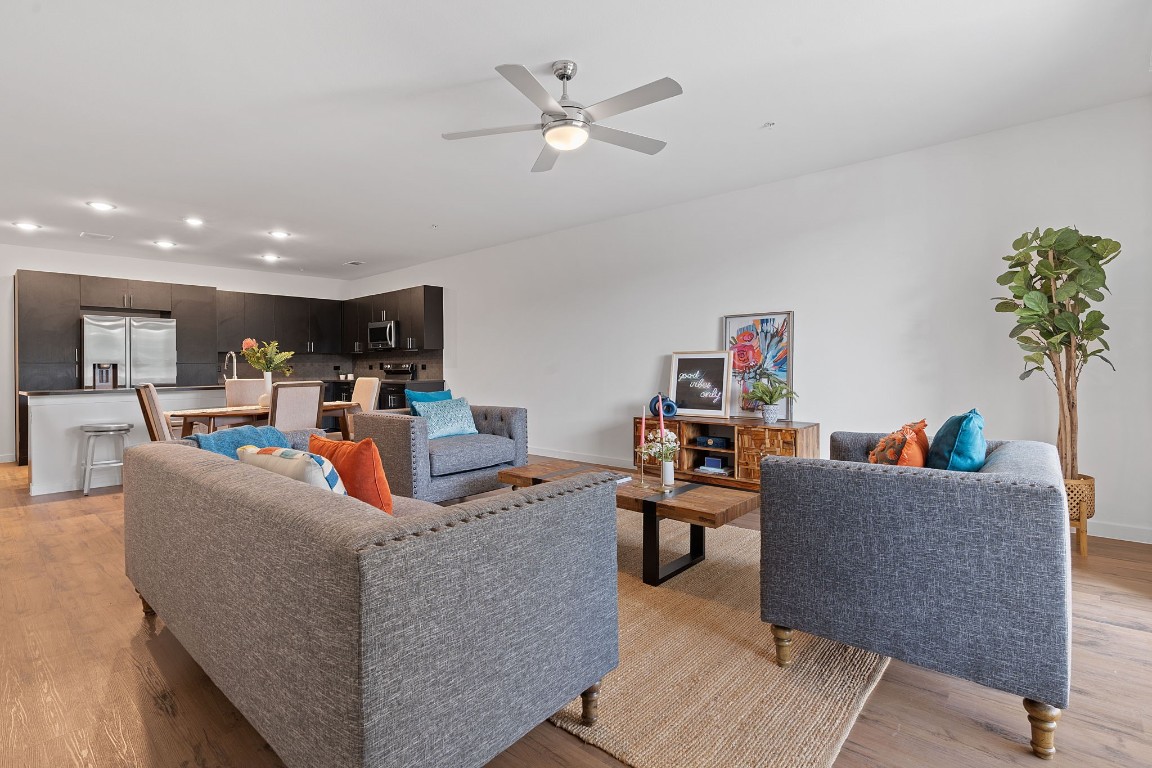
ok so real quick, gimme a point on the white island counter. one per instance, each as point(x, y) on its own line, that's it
point(56, 444)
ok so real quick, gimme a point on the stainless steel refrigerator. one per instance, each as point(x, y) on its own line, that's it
point(142, 348)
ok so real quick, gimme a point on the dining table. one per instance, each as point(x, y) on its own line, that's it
point(231, 415)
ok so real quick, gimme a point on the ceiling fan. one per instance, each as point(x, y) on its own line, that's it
point(567, 124)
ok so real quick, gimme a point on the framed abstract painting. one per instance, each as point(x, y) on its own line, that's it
point(760, 345)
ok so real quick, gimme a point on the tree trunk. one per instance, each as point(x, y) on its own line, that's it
point(1068, 429)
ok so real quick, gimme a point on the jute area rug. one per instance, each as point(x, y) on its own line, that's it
point(698, 685)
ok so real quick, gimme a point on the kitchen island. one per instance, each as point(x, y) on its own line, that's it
point(56, 443)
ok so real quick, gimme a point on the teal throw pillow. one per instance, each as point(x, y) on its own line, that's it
point(412, 396)
point(960, 444)
point(446, 418)
point(226, 441)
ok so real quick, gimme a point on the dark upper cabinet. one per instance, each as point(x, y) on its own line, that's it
point(47, 318)
point(118, 293)
point(354, 335)
point(420, 318)
point(230, 321)
point(324, 326)
point(143, 294)
point(194, 310)
point(291, 323)
point(260, 318)
point(379, 307)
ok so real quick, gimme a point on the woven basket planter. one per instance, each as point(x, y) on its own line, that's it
point(1081, 497)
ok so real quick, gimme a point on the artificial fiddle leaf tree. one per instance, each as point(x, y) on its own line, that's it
point(1055, 277)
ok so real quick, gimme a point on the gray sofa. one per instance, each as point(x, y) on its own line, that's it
point(447, 467)
point(964, 573)
point(350, 638)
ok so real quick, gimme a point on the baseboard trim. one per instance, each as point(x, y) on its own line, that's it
point(1118, 531)
point(5, 458)
point(588, 458)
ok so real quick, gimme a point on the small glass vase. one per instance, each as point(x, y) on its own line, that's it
point(667, 474)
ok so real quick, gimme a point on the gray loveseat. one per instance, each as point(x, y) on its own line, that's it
point(964, 573)
point(350, 638)
point(447, 467)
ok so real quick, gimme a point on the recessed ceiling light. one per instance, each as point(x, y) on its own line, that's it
point(99, 206)
point(194, 221)
point(353, 263)
point(280, 234)
point(270, 257)
point(163, 243)
point(27, 226)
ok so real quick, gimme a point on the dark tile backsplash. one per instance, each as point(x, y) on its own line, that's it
point(323, 366)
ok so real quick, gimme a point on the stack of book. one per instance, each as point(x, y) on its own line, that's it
point(725, 471)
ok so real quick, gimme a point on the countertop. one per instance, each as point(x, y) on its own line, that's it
point(116, 391)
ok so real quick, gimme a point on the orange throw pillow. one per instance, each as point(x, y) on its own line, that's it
point(358, 465)
point(906, 447)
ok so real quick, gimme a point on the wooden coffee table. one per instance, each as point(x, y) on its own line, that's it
point(701, 506)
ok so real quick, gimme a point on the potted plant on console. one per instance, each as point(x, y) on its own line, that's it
point(1055, 276)
point(769, 393)
point(267, 358)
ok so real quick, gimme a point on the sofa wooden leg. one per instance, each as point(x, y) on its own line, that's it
point(148, 611)
point(590, 701)
point(783, 638)
point(1043, 718)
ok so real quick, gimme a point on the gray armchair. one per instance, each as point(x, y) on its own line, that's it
point(447, 467)
point(964, 573)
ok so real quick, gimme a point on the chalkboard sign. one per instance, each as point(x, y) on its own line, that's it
point(699, 382)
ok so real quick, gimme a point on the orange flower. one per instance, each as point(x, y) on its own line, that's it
point(745, 337)
point(248, 344)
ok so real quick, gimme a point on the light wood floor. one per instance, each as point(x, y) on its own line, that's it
point(85, 680)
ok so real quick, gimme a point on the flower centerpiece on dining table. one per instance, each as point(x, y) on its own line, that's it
point(266, 358)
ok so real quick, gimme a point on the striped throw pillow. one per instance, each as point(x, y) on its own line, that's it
point(298, 465)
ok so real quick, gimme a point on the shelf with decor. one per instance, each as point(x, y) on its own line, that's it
point(738, 442)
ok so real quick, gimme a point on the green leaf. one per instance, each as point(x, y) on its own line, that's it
point(1107, 361)
point(1081, 256)
point(1045, 269)
point(1018, 290)
point(1054, 342)
point(1104, 344)
point(1022, 242)
point(1036, 301)
point(1067, 290)
point(1006, 306)
point(1066, 321)
point(1047, 238)
point(1065, 239)
point(1019, 329)
point(1036, 357)
point(1091, 277)
point(1093, 294)
point(1093, 318)
point(1007, 278)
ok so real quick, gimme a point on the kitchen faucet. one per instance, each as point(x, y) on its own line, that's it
point(231, 355)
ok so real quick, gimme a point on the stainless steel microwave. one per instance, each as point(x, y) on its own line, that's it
point(382, 335)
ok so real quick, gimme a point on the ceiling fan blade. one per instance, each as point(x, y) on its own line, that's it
point(627, 140)
point(492, 131)
point(546, 160)
point(655, 91)
point(524, 81)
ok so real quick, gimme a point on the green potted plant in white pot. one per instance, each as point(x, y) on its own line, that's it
point(1055, 277)
point(769, 392)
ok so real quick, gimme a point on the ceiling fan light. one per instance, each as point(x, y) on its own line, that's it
point(566, 135)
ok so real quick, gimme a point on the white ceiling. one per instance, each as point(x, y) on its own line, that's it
point(324, 118)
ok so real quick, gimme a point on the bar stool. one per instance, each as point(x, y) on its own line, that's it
point(94, 432)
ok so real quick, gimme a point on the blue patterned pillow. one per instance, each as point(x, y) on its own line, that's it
point(413, 396)
point(298, 465)
point(447, 418)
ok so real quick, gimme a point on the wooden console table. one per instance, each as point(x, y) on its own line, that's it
point(749, 440)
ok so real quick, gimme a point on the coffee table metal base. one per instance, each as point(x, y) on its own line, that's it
point(656, 574)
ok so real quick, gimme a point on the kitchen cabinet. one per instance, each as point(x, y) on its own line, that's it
point(230, 321)
point(47, 319)
point(260, 317)
point(118, 293)
point(291, 323)
point(35, 377)
point(194, 310)
point(324, 320)
point(354, 335)
point(420, 317)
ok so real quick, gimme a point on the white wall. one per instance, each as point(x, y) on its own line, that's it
point(14, 257)
point(889, 266)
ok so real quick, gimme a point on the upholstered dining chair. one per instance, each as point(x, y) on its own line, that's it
point(296, 405)
point(366, 394)
point(159, 428)
point(243, 391)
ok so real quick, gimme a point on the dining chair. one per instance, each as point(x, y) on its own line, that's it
point(296, 405)
point(159, 429)
point(243, 391)
point(366, 394)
